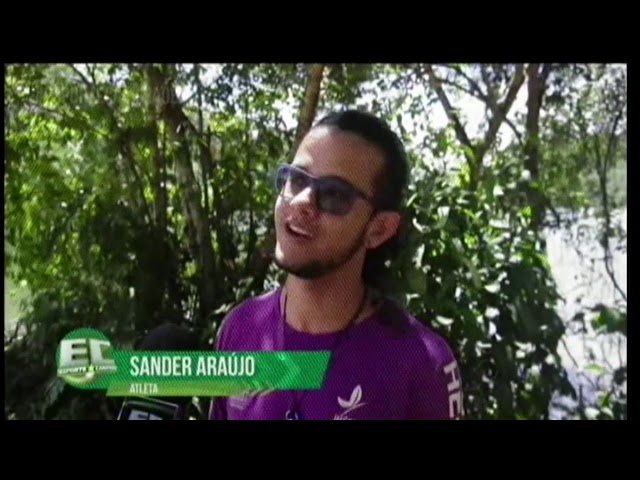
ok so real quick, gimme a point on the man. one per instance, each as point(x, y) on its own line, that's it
point(337, 211)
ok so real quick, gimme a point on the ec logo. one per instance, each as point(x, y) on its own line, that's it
point(83, 355)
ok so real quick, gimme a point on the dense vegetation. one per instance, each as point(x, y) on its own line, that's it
point(140, 193)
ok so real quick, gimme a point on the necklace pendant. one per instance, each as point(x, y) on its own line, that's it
point(292, 415)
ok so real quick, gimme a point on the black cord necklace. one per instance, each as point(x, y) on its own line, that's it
point(294, 411)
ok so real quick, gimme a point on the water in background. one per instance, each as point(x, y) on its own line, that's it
point(577, 260)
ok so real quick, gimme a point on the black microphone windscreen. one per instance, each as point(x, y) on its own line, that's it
point(166, 337)
point(169, 336)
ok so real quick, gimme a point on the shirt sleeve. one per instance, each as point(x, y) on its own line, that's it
point(436, 388)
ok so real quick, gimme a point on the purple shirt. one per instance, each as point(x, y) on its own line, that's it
point(375, 373)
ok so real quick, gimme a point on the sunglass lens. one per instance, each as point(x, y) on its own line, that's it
point(281, 177)
point(335, 198)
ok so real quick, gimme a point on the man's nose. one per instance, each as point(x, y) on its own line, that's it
point(305, 198)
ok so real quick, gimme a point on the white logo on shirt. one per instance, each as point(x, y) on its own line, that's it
point(239, 402)
point(456, 409)
point(244, 399)
point(350, 405)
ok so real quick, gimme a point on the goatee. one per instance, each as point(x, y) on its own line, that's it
point(317, 268)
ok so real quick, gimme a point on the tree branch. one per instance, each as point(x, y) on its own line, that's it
point(564, 344)
point(126, 151)
point(251, 244)
point(549, 206)
point(475, 154)
point(159, 162)
point(546, 70)
point(488, 98)
point(84, 79)
point(491, 94)
point(206, 162)
point(620, 351)
point(602, 180)
point(502, 109)
point(602, 174)
point(309, 105)
point(460, 132)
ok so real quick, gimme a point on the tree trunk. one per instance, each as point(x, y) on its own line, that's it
point(264, 254)
point(309, 105)
point(160, 189)
point(179, 128)
point(536, 80)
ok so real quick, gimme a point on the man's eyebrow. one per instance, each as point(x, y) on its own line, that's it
point(333, 177)
point(329, 177)
point(337, 177)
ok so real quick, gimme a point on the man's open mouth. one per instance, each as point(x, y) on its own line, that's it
point(297, 231)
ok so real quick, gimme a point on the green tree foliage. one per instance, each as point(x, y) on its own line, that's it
point(136, 194)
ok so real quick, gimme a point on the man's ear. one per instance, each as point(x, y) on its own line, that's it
point(383, 226)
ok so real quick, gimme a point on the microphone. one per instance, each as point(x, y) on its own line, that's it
point(167, 336)
point(150, 409)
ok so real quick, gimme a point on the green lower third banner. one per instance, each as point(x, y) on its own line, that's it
point(138, 373)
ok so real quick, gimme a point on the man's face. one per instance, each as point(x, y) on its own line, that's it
point(311, 243)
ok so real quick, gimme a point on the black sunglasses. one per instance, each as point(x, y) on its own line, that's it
point(333, 195)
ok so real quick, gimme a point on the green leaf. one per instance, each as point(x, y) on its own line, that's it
point(591, 413)
point(603, 399)
point(444, 320)
point(412, 199)
point(528, 323)
point(610, 320)
point(607, 413)
point(417, 281)
point(473, 271)
point(595, 368)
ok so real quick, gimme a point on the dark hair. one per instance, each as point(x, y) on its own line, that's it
point(391, 182)
point(389, 192)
